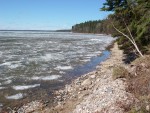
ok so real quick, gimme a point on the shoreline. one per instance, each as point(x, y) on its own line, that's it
point(43, 102)
point(93, 92)
point(89, 60)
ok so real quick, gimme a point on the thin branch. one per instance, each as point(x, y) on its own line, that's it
point(123, 34)
point(132, 41)
point(129, 31)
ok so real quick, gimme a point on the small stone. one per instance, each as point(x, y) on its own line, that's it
point(98, 80)
point(78, 82)
point(147, 108)
point(1, 105)
point(86, 82)
point(58, 96)
point(80, 89)
point(46, 102)
point(93, 76)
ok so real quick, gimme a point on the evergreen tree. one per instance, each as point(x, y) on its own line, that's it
point(132, 18)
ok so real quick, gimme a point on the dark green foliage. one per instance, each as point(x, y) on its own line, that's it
point(97, 26)
point(134, 14)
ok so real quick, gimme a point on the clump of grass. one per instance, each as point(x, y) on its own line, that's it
point(120, 72)
point(133, 110)
point(142, 106)
point(143, 61)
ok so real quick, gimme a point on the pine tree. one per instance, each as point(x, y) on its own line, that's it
point(131, 20)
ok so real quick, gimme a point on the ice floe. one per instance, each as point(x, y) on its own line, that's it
point(15, 97)
point(51, 77)
point(47, 57)
point(11, 65)
point(2, 88)
point(7, 82)
point(86, 60)
point(7, 78)
point(1, 105)
point(64, 67)
point(96, 40)
point(24, 87)
point(6, 64)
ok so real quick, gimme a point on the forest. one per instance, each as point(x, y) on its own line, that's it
point(130, 17)
point(95, 26)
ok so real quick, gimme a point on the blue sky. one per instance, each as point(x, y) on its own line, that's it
point(48, 14)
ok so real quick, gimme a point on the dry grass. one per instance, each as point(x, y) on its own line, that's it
point(138, 80)
point(139, 84)
point(119, 72)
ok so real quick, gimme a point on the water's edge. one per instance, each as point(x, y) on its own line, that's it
point(42, 85)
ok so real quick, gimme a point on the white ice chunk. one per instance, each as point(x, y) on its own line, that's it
point(2, 88)
point(52, 77)
point(63, 67)
point(24, 87)
point(7, 82)
point(15, 97)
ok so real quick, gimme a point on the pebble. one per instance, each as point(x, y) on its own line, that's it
point(86, 82)
point(93, 76)
point(148, 108)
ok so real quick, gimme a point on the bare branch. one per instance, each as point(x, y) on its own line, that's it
point(129, 31)
point(131, 40)
point(123, 34)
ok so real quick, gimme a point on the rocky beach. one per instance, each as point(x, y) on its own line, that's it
point(95, 92)
point(75, 56)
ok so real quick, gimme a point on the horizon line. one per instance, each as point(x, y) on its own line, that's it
point(33, 30)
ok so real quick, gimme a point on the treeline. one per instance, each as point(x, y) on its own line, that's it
point(131, 17)
point(96, 26)
point(64, 30)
